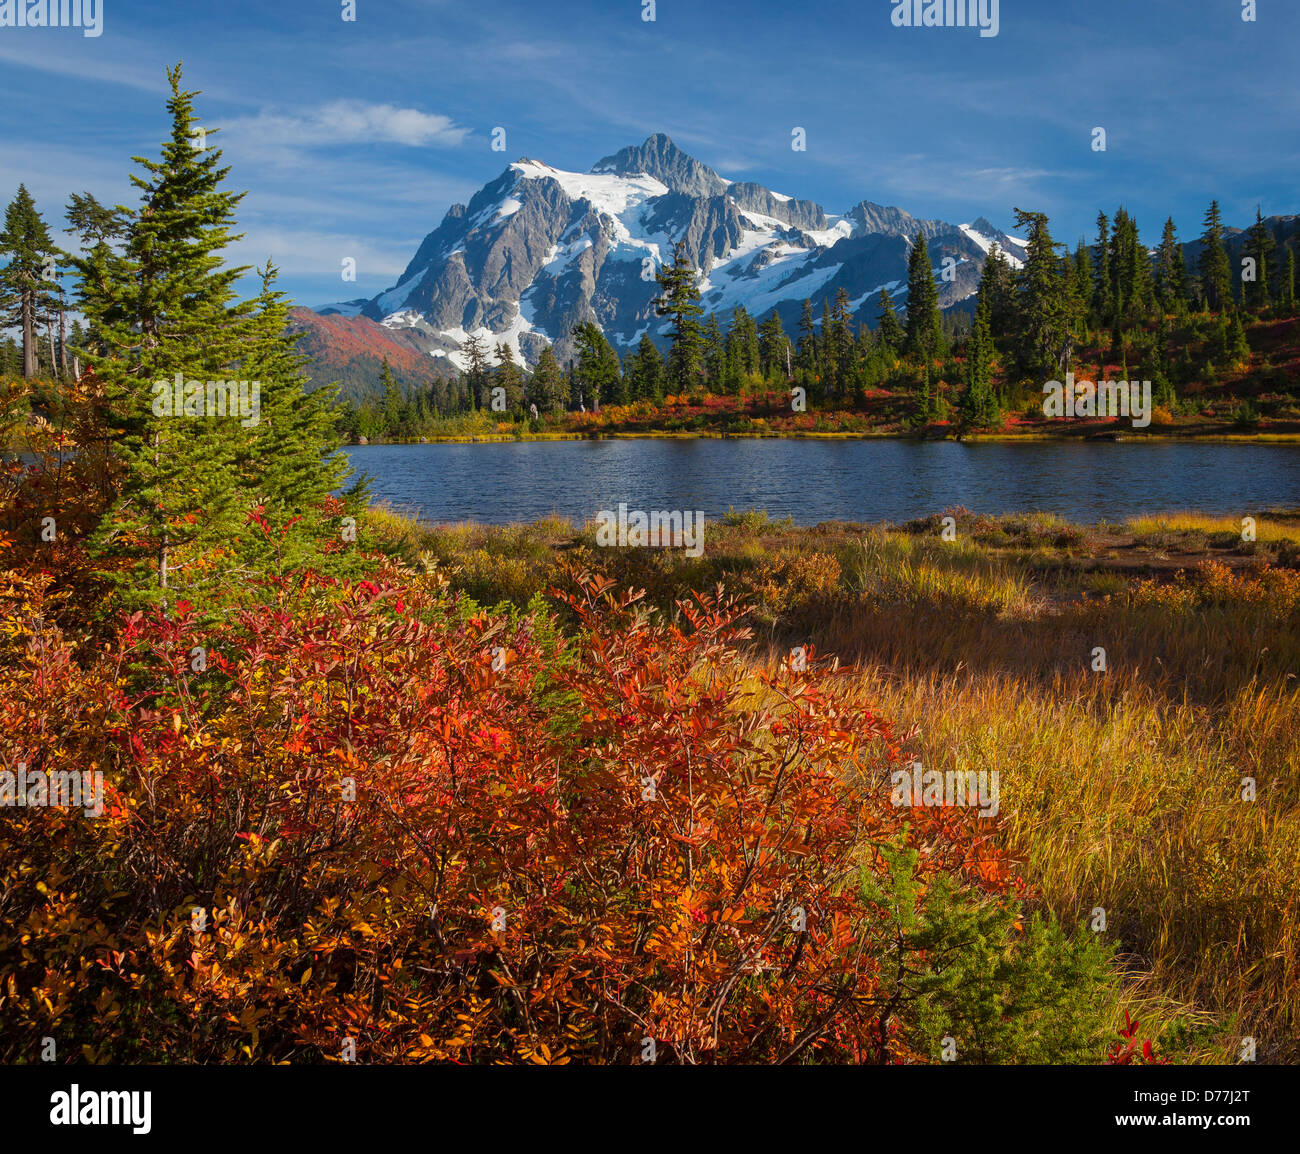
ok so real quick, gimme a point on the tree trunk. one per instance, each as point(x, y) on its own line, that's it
point(54, 363)
point(63, 340)
point(30, 366)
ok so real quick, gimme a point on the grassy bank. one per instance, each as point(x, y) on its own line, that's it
point(1122, 787)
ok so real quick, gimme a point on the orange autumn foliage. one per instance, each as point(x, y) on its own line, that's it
point(438, 835)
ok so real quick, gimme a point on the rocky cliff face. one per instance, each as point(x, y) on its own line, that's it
point(539, 249)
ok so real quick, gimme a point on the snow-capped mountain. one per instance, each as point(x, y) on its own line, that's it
point(539, 250)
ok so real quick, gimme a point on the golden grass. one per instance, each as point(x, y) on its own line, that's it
point(1268, 529)
point(1135, 806)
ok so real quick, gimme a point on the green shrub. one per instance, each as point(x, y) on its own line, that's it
point(1004, 988)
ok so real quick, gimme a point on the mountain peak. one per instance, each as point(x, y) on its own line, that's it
point(659, 157)
point(538, 250)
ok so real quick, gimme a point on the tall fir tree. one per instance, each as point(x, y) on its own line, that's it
point(840, 339)
point(714, 354)
point(1084, 285)
point(806, 349)
point(826, 352)
point(1171, 271)
point(1043, 319)
point(1259, 248)
point(29, 291)
point(889, 332)
point(478, 371)
point(165, 311)
point(289, 461)
point(744, 337)
point(773, 347)
point(1215, 271)
point(597, 371)
point(979, 405)
point(393, 400)
point(1131, 295)
point(924, 325)
point(679, 300)
point(1103, 291)
point(645, 372)
point(548, 388)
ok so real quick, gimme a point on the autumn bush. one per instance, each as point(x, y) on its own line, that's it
point(369, 818)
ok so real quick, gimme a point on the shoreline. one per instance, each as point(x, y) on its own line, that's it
point(1098, 437)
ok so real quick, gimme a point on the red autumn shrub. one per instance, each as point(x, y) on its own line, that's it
point(360, 822)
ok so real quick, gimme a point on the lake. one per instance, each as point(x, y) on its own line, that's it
point(813, 481)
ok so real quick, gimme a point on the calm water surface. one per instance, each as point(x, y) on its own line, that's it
point(814, 481)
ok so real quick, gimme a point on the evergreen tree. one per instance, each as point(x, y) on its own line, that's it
point(478, 371)
point(1216, 275)
point(597, 371)
point(1259, 247)
point(394, 401)
point(773, 347)
point(889, 332)
point(1163, 389)
point(1131, 294)
point(680, 300)
point(1238, 347)
point(826, 352)
point(97, 228)
point(1171, 271)
point(1288, 281)
point(288, 463)
point(806, 349)
point(93, 222)
point(744, 337)
point(646, 372)
point(548, 388)
point(508, 376)
point(733, 379)
point(979, 406)
point(1084, 287)
point(1103, 298)
point(11, 358)
point(165, 308)
point(28, 291)
point(1073, 296)
point(1043, 318)
point(924, 398)
point(714, 354)
point(924, 327)
point(840, 340)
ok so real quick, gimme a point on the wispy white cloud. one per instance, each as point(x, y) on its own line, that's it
point(344, 122)
point(83, 63)
point(306, 253)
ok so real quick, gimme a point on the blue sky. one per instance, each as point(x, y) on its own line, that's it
point(353, 138)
